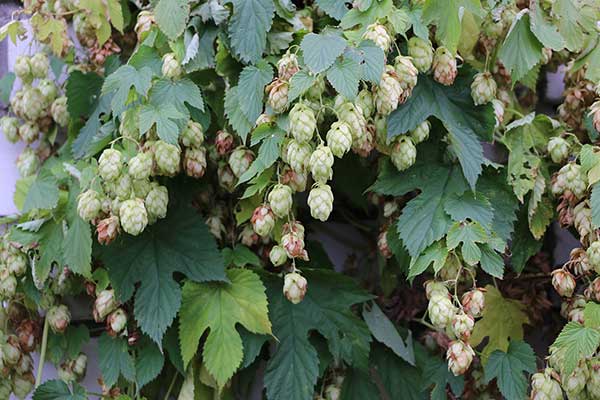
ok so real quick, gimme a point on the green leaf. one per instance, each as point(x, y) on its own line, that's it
point(219, 307)
point(358, 386)
point(86, 142)
point(334, 8)
point(153, 257)
point(525, 247)
point(445, 15)
point(148, 57)
point(385, 332)
point(575, 342)
point(469, 234)
point(120, 83)
point(453, 106)
point(67, 344)
point(545, 31)
point(58, 390)
point(167, 118)
point(321, 50)
point(171, 16)
point(114, 359)
point(268, 152)
point(82, 92)
point(43, 192)
point(149, 361)
point(568, 23)
point(252, 344)
point(595, 205)
point(240, 256)
point(491, 261)
point(233, 109)
point(437, 254)
point(344, 75)
point(177, 92)
point(50, 239)
point(502, 319)
point(437, 374)
point(292, 370)
point(398, 379)
point(6, 85)
point(372, 61)
point(301, 81)
point(469, 205)
point(508, 368)
point(77, 246)
point(378, 10)
point(251, 87)
point(521, 50)
point(249, 24)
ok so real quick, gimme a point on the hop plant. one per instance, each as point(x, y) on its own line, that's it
point(459, 356)
point(89, 205)
point(321, 163)
point(388, 93)
point(116, 321)
point(10, 127)
point(379, 35)
point(48, 90)
point(29, 132)
point(383, 245)
point(192, 135)
point(339, 138)
point(462, 326)
point(404, 153)
point(280, 200)
point(59, 112)
point(277, 256)
point(421, 53)
point(194, 162)
point(134, 216)
point(59, 318)
point(421, 132)
point(575, 383)
point(407, 74)
point(27, 162)
point(156, 203)
point(595, 114)
point(302, 123)
point(263, 220)
point(33, 103)
point(224, 142)
point(39, 64)
point(435, 288)
point(145, 21)
point(298, 155)
point(593, 254)
point(108, 229)
point(558, 148)
point(294, 287)
point(287, 66)
point(278, 95)
point(167, 157)
point(240, 160)
point(366, 102)
point(354, 118)
point(171, 68)
point(320, 201)
point(444, 66)
point(441, 310)
point(473, 302)
point(105, 304)
point(563, 282)
point(140, 166)
point(483, 88)
point(22, 69)
point(110, 164)
point(544, 387)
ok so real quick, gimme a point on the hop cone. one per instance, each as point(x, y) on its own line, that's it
point(302, 122)
point(320, 201)
point(133, 215)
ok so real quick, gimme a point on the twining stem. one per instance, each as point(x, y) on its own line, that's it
point(171, 385)
point(38, 377)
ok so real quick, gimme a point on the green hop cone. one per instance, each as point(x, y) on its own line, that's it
point(194, 162)
point(298, 155)
point(278, 95)
point(34, 103)
point(321, 163)
point(133, 215)
point(404, 153)
point(10, 127)
point(240, 160)
point(156, 202)
point(441, 310)
point(28, 162)
point(22, 69)
point(110, 164)
point(141, 187)
point(192, 135)
point(593, 382)
point(574, 384)
point(277, 256)
point(287, 66)
point(575, 179)
point(407, 74)
point(339, 138)
point(280, 200)
point(379, 35)
point(167, 157)
point(365, 102)
point(388, 93)
point(483, 88)
point(558, 148)
point(22, 384)
point(444, 66)
point(421, 132)
point(593, 254)
point(354, 118)
point(302, 122)
point(140, 166)
point(29, 132)
point(123, 187)
point(263, 220)
point(39, 64)
point(59, 112)
point(129, 126)
point(89, 205)
point(48, 90)
point(421, 53)
point(171, 68)
point(320, 201)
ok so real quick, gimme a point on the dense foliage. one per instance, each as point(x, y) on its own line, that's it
point(184, 160)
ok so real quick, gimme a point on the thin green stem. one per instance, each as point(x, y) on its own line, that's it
point(38, 377)
point(171, 385)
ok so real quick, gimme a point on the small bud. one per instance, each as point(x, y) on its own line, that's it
point(433, 288)
point(116, 322)
point(59, 318)
point(278, 256)
point(105, 304)
point(294, 287)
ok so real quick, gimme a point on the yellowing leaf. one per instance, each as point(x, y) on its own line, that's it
point(50, 29)
point(220, 307)
point(502, 319)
